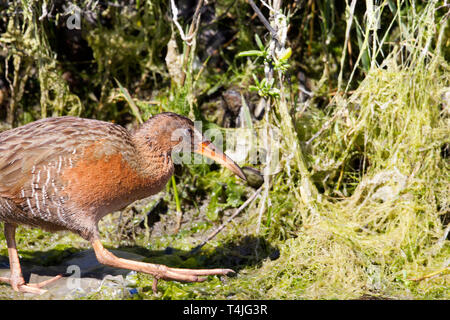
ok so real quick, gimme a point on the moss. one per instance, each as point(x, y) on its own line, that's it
point(358, 206)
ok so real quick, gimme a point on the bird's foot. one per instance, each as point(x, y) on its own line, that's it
point(19, 285)
point(159, 271)
point(185, 275)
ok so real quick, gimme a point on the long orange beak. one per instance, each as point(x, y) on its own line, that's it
point(207, 149)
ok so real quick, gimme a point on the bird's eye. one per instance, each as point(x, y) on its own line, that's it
point(185, 135)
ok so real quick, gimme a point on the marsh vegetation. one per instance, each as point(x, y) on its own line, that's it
point(358, 92)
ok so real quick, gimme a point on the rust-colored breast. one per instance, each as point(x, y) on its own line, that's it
point(99, 185)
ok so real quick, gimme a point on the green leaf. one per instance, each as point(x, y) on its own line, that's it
point(251, 53)
point(286, 55)
point(259, 42)
point(214, 207)
point(130, 101)
point(274, 92)
point(263, 83)
point(255, 79)
point(247, 118)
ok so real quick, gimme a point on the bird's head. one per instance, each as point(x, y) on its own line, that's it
point(168, 132)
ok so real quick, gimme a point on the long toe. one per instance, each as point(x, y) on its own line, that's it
point(192, 275)
point(172, 275)
point(46, 282)
point(3, 279)
point(202, 272)
point(34, 288)
point(31, 289)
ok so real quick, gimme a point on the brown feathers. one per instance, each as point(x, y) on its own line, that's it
point(67, 172)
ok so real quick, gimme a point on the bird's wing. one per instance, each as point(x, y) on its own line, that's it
point(38, 151)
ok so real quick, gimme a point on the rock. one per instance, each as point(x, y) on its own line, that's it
point(82, 274)
point(232, 105)
point(233, 101)
point(89, 266)
point(4, 271)
point(72, 288)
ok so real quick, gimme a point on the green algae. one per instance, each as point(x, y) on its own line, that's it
point(377, 214)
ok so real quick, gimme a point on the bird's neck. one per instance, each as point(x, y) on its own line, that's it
point(153, 159)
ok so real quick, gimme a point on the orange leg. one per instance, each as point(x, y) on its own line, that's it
point(157, 270)
point(16, 279)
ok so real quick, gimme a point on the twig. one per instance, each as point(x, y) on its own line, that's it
point(223, 225)
point(188, 37)
point(191, 35)
point(324, 127)
point(44, 11)
point(178, 206)
point(263, 203)
point(432, 275)
point(266, 23)
point(275, 43)
point(351, 10)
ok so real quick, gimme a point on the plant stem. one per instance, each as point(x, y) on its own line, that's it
point(177, 203)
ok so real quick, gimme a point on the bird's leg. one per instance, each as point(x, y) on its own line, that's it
point(157, 270)
point(16, 279)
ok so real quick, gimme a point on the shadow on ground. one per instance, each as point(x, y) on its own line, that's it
point(82, 264)
point(238, 254)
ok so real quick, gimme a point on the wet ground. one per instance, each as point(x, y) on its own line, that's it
point(84, 277)
point(82, 274)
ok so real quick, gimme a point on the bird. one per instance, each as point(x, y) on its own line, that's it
point(67, 173)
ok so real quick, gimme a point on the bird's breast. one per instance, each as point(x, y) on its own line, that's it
point(106, 184)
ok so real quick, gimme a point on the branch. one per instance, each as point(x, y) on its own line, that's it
point(238, 211)
point(266, 23)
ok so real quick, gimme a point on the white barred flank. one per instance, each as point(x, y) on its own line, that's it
point(30, 207)
point(37, 189)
